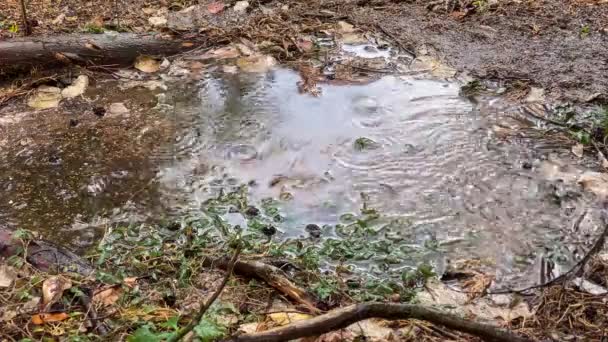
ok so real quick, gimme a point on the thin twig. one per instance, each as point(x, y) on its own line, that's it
point(26, 26)
point(209, 302)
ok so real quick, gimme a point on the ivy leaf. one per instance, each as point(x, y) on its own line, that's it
point(209, 331)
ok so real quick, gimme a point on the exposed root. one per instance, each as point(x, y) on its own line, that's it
point(344, 317)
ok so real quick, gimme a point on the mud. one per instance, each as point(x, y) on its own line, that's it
point(543, 43)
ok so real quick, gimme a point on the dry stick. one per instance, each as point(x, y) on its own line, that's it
point(271, 275)
point(342, 318)
point(26, 26)
point(209, 302)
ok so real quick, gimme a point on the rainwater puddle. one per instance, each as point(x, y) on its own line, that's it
point(429, 160)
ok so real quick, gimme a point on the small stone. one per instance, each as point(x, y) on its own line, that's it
point(252, 211)
point(369, 48)
point(526, 165)
point(314, 230)
point(73, 122)
point(241, 6)
point(118, 108)
point(157, 21)
point(269, 230)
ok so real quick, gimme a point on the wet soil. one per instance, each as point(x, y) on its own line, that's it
point(558, 45)
point(555, 44)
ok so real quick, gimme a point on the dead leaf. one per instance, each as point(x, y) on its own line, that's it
point(131, 281)
point(187, 44)
point(215, 7)
point(77, 88)
point(59, 19)
point(97, 21)
point(344, 27)
point(7, 275)
point(52, 289)
point(62, 58)
point(40, 319)
point(458, 15)
point(284, 318)
point(578, 150)
point(108, 296)
point(8, 315)
point(225, 52)
point(595, 182)
point(244, 49)
point(157, 21)
point(478, 285)
point(45, 97)
point(256, 63)
point(146, 64)
point(305, 44)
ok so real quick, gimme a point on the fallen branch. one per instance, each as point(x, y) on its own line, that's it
point(342, 318)
point(271, 275)
point(195, 321)
point(86, 49)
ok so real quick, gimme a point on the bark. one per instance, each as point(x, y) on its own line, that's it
point(85, 49)
point(342, 318)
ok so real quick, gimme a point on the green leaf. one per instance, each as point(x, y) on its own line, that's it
point(209, 331)
point(171, 323)
point(144, 334)
point(14, 28)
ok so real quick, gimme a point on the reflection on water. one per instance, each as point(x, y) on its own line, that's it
point(434, 164)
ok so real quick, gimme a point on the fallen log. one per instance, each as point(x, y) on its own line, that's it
point(119, 49)
point(43, 255)
point(342, 318)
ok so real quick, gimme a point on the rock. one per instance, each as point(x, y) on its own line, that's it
point(536, 95)
point(595, 182)
point(314, 230)
point(157, 21)
point(241, 6)
point(118, 108)
point(77, 88)
point(186, 19)
point(45, 97)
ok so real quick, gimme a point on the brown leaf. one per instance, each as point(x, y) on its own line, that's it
point(131, 281)
point(62, 58)
point(108, 296)
point(215, 7)
point(578, 150)
point(146, 64)
point(187, 44)
point(52, 289)
point(39, 319)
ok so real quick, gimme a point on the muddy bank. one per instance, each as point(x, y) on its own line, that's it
point(558, 45)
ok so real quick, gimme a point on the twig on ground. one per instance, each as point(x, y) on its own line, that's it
point(397, 41)
point(185, 330)
point(271, 275)
point(342, 318)
point(26, 26)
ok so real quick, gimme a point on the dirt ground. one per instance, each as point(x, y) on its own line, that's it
point(558, 45)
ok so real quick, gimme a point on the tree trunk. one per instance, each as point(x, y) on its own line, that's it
point(84, 49)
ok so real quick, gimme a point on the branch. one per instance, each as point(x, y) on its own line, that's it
point(342, 318)
point(271, 275)
point(26, 26)
point(182, 332)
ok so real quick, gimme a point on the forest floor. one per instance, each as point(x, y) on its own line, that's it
point(556, 46)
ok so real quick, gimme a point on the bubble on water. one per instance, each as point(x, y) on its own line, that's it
point(366, 105)
point(242, 152)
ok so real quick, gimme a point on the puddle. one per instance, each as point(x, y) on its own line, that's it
point(435, 164)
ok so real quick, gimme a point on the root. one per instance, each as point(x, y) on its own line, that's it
point(342, 318)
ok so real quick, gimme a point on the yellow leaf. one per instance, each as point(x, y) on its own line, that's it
point(107, 296)
point(284, 318)
point(39, 319)
point(146, 64)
